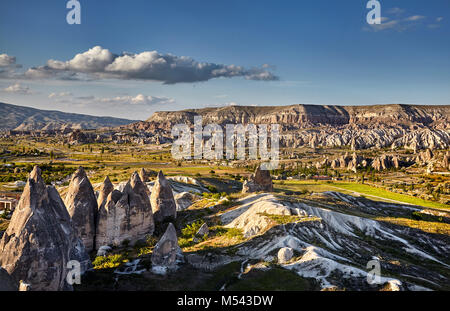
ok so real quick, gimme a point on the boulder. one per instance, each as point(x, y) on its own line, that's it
point(7, 284)
point(104, 250)
point(185, 199)
point(24, 287)
point(259, 181)
point(81, 204)
point(162, 200)
point(41, 239)
point(285, 254)
point(204, 230)
point(167, 254)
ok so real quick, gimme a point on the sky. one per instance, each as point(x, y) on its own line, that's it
point(129, 59)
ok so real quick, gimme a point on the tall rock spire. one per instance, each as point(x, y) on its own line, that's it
point(81, 204)
point(126, 215)
point(106, 188)
point(162, 200)
point(40, 239)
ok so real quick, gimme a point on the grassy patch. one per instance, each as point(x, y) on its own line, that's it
point(275, 279)
point(426, 226)
point(4, 224)
point(219, 237)
point(108, 262)
point(287, 219)
point(383, 193)
point(372, 192)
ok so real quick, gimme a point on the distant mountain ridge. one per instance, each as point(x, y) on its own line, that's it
point(411, 127)
point(22, 118)
point(304, 116)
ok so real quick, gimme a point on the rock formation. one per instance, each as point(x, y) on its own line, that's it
point(446, 161)
point(106, 188)
point(385, 162)
point(139, 187)
point(6, 282)
point(126, 216)
point(167, 254)
point(285, 254)
point(361, 127)
point(185, 199)
point(82, 207)
point(425, 157)
point(259, 181)
point(204, 230)
point(162, 200)
point(145, 175)
point(41, 239)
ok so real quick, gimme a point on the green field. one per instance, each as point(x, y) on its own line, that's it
point(362, 189)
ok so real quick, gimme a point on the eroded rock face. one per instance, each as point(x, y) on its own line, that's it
point(425, 157)
point(285, 254)
point(126, 216)
point(162, 200)
point(82, 207)
point(204, 230)
point(41, 239)
point(106, 188)
point(184, 200)
point(6, 282)
point(145, 175)
point(259, 181)
point(385, 162)
point(167, 253)
point(446, 160)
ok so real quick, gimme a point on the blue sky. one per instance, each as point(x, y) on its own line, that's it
point(289, 52)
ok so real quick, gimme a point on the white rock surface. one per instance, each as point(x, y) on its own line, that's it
point(285, 254)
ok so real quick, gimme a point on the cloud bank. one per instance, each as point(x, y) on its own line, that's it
point(6, 60)
point(18, 89)
point(151, 66)
point(401, 22)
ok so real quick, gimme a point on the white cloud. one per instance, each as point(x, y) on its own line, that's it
point(439, 19)
point(58, 95)
point(139, 99)
point(414, 18)
point(398, 21)
point(18, 89)
point(6, 60)
point(152, 66)
point(383, 26)
point(395, 11)
point(91, 61)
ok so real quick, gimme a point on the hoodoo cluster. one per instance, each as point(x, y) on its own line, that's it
point(47, 232)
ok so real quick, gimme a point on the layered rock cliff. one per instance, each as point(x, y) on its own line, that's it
point(361, 127)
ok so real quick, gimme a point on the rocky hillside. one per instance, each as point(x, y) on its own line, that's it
point(361, 127)
point(26, 119)
point(303, 116)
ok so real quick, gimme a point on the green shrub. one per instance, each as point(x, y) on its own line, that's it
point(190, 230)
point(109, 262)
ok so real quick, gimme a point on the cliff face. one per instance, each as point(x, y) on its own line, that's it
point(362, 127)
point(302, 116)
